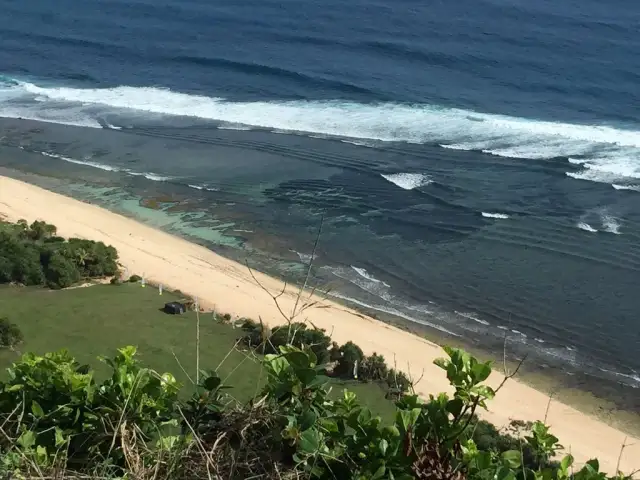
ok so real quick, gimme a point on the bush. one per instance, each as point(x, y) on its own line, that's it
point(256, 334)
point(297, 334)
point(350, 354)
point(10, 334)
point(61, 272)
point(135, 278)
point(398, 382)
point(373, 369)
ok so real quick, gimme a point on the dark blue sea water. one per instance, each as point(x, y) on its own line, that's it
point(477, 162)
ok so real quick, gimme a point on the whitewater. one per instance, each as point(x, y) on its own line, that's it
point(601, 153)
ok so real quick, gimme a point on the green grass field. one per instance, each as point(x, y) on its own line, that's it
point(95, 321)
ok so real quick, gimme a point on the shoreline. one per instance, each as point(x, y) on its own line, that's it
point(226, 285)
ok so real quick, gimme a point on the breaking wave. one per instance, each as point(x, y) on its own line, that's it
point(408, 181)
point(109, 168)
point(495, 215)
point(603, 153)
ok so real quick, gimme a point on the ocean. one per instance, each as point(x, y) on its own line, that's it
point(475, 166)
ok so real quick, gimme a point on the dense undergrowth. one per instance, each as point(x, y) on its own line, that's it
point(34, 255)
point(58, 420)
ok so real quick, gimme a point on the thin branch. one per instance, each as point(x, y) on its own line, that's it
point(508, 375)
point(313, 256)
point(181, 367)
point(546, 412)
point(624, 445)
point(274, 297)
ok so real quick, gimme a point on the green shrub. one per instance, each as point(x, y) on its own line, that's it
point(299, 335)
point(350, 354)
point(398, 382)
point(19, 261)
point(373, 369)
point(10, 334)
point(135, 278)
point(60, 271)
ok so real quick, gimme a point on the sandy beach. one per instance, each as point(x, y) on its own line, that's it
point(229, 287)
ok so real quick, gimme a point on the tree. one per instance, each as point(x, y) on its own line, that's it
point(61, 272)
point(41, 230)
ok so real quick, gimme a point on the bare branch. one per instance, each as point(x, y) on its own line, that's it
point(313, 256)
point(508, 375)
point(624, 445)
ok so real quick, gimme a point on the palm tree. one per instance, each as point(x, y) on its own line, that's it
point(82, 256)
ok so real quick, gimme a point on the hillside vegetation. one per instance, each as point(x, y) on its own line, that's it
point(34, 255)
point(266, 404)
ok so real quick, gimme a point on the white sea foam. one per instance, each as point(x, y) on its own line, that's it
point(392, 311)
point(607, 153)
point(109, 168)
point(408, 181)
point(635, 188)
point(149, 176)
point(586, 227)
point(86, 163)
point(305, 258)
point(204, 187)
point(473, 317)
point(363, 273)
point(494, 215)
point(610, 224)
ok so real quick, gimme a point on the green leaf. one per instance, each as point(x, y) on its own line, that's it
point(309, 442)
point(504, 473)
point(566, 462)
point(212, 382)
point(512, 458)
point(408, 418)
point(484, 391)
point(15, 388)
point(36, 409)
point(298, 359)
point(307, 419)
point(483, 460)
point(382, 446)
point(443, 363)
point(364, 417)
point(27, 440)
point(379, 472)
point(60, 440)
point(454, 407)
point(481, 371)
point(306, 375)
point(593, 463)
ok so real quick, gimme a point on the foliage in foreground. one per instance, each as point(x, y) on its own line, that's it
point(34, 255)
point(57, 417)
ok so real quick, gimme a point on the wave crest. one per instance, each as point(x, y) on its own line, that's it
point(408, 181)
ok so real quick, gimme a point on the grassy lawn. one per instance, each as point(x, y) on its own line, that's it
point(94, 321)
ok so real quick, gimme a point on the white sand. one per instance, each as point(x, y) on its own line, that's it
point(228, 286)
